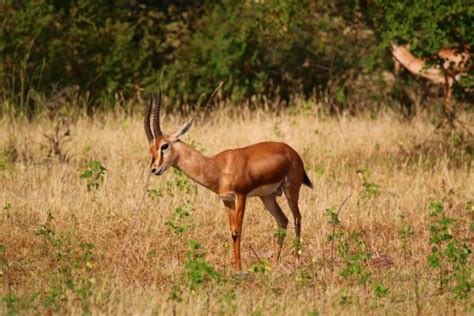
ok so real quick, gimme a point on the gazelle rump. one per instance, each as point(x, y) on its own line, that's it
point(264, 170)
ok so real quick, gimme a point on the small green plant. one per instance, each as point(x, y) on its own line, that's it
point(319, 171)
point(3, 161)
point(449, 254)
point(277, 131)
point(370, 189)
point(197, 270)
point(178, 223)
point(406, 235)
point(3, 260)
point(7, 208)
point(176, 294)
point(260, 267)
point(354, 253)
point(228, 302)
point(73, 271)
point(345, 300)
point(8, 155)
point(180, 182)
point(94, 174)
point(154, 193)
point(380, 290)
point(373, 115)
point(351, 248)
point(9, 299)
point(307, 106)
point(280, 233)
point(333, 219)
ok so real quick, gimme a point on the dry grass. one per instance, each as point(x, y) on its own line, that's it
point(137, 263)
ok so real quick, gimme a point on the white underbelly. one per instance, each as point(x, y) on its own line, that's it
point(263, 190)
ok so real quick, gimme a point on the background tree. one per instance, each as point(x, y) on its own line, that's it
point(101, 52)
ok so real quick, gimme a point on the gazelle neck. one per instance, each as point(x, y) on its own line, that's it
point(198, 167)
point(416, 65)
point(407, 59)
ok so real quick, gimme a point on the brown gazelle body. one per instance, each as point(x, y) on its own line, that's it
point(455, 65)
point(264, 170)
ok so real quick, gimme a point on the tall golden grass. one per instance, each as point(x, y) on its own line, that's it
point(112, 250)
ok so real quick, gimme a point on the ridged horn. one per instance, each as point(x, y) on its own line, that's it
point(156, 117)
point(146, 122)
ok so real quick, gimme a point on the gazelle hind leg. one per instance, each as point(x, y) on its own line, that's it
point(282, 221)
point(292, 195)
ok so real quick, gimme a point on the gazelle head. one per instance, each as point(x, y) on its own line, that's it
point(162, 147)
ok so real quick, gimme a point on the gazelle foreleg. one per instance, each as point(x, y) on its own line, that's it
point(236, 216)
point(282, 221)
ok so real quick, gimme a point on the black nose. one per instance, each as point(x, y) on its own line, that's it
point(153, 170)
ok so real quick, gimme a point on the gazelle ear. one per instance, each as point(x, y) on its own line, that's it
point(182, 130)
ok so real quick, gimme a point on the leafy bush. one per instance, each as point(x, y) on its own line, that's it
point(449, 253)
point(352, 249)
point(102, 47)
point(94, 175)
point(72, 269)
point(178, 223)
point(369, 189)
point(198, 270)
point(272, 49)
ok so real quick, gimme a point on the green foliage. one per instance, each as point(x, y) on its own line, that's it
point(228, 301)
point(449, 254)
point(319, 171)
point(260, 267)
point(7, 157)
point(94, 175)
point(354, 254)
point(314, 312)
point(102, 47)
point(280, 233)
point(353, 251)
point(178, 223)
point(7, 208)
point(109, 50)
point(9, 300)
point(370, 189)
point(198, 271)
point(406, 234)
point(72, 271)
point(266, 49)
point(427, 25)
point(98, 54)
point(380, 290)
point(176, 293)
point(181, 183)
point(154, 193)
point(333, 217)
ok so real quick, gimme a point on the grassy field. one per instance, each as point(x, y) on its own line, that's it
point(82, 236)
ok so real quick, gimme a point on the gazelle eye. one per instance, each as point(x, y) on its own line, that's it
point(164, 147)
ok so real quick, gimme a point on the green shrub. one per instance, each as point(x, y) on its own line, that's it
point(449, 253)
point(94, 175)
point(198, 271)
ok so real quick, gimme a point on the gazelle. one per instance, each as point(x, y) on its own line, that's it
point(265, 170)
point(455, 64)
